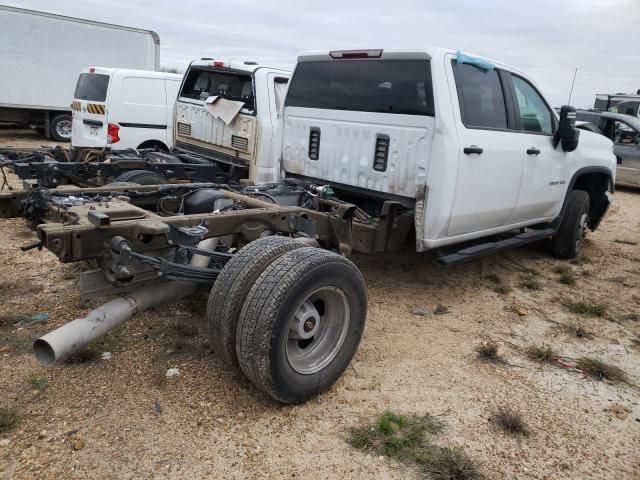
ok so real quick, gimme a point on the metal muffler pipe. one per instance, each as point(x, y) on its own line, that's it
point(74, 336)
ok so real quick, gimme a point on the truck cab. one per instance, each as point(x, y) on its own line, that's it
point(230, 112)
point(470, 146)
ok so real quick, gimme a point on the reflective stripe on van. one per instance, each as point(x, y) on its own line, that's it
point(96, 108)
point(76, 106)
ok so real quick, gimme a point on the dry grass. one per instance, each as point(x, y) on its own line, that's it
point(577, 330)
point(487, 350)
point(37, 381)
point(541, 353)
point(529, 281)
point(600, 370)
point(586, 307)
point(493, 277)
point(395, 435)
point(502, 289)
point(8, 419)
point(510, 421)
point(452, 463)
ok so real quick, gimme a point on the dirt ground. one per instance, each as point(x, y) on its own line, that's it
point(122, 417)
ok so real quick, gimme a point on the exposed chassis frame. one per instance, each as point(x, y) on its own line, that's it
point(334, 229)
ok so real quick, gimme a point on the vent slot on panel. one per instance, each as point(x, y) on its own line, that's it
point(184, 129)
point(381, 153)
point(239, 143)
point(314, 143)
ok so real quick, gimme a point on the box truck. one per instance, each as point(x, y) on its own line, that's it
point(43, 54)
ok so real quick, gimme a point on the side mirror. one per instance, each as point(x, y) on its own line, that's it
point(567, 133)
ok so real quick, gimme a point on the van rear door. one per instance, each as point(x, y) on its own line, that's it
point(363, 120)
point(89, 127)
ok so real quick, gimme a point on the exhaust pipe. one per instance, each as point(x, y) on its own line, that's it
point(74, 336)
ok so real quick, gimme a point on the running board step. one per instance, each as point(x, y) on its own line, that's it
point(446, 259)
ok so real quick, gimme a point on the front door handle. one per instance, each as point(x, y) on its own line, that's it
point(533, 151)
point(472, 149)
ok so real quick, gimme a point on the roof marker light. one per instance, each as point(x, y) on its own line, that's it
point(92, 70)
point(220, 63)
point(346, 54)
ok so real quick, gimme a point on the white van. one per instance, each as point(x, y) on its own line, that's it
point(119, 109)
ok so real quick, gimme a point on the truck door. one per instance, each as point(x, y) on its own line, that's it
point(545, 167)
point(626, 139)
point(89, 110)
point(491, 162)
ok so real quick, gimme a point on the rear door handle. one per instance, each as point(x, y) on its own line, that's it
point(533, 151)
point(92, 123)
point(472, 149)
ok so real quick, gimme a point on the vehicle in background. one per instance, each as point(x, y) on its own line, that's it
point(624, 132)
point(628, 104)
point(120, 109)
point(229, 112)
point(225, 125)
point(43, 53)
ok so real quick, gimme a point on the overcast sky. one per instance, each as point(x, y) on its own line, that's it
point(547, 39)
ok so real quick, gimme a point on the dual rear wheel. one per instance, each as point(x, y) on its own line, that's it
point(289, 315)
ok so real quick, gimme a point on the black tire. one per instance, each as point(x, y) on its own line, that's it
point(263, 335)
point(232, 286)
point(141, 177)
point(567, 242)
point(61, 128)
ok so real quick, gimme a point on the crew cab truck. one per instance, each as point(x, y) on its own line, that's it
point(456, 153)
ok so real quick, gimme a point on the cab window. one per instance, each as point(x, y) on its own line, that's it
point(625, 135)
point(535, 116)
point(481, 98)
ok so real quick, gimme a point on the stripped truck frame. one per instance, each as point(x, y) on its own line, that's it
point(378, 151)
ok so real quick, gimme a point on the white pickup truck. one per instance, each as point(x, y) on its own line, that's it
point(378, 150)
point(230, 112)
point(469, 145)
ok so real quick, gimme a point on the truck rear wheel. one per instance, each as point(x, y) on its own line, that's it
point(232, 286)
point(141, 177)
point(301, 324)
point(568, 240)
point(61, 128)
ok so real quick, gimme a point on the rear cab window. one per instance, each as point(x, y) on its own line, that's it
point(201, 83)
point(92, 87)
point(381, 86)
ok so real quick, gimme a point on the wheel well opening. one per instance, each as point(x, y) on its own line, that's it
point(596, 184)
point(154, 144)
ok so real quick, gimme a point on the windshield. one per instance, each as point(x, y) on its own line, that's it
point(388, 86)
point(200, 84)
point(92, 86)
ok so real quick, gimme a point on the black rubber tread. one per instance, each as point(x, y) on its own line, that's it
point(232, 286)
point(54, 121)
point(141, 177)
point(564, 241)
point(264, 320)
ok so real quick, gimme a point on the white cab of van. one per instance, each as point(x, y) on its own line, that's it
point(120, 108)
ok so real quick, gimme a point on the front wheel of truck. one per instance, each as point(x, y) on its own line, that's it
point(301, 324)
point(568, 240)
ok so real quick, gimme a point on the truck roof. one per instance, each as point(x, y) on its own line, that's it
point(142, 73)
point(630, 119)
point(243, 66)
point(155, 36)
point(425, 53)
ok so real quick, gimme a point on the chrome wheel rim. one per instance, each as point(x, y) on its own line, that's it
point(317, 330)
point(582, 231)
point(63, 128)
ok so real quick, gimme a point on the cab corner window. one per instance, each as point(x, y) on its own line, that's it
point(532, 110)
point(481, 98)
